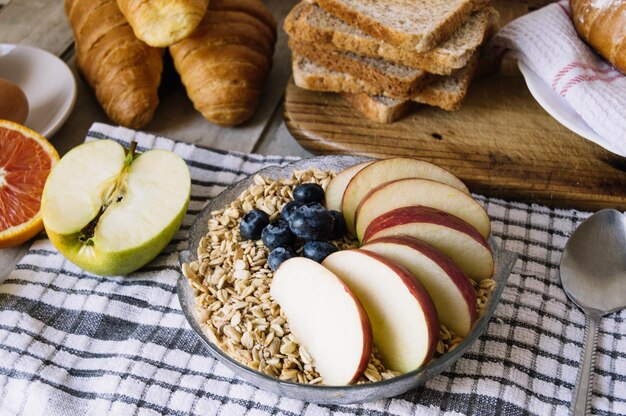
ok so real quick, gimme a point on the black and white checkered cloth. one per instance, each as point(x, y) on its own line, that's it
point(72, 343)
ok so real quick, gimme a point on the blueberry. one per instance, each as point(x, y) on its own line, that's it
point(318, 250)
point(308, 193)
point(279, 255)
point(277, 234)
point(311, 222)
point(252, 224)
point(288, 209)
point(340, 228)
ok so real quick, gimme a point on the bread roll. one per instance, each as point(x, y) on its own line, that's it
point(123, 71)
point(161, 23)
point(602, 24)
point(224, 63)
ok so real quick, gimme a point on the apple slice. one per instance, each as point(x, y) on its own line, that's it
point(337, 186)
point(387, 170)
point(403, 317)
point(326, 318)
point(445, 232)
point(451, 291)
point(111, 212)
point(408, 192)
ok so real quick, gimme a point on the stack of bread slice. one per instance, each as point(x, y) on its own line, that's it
point(383, 56)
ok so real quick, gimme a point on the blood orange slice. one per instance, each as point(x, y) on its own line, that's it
point(26, 159)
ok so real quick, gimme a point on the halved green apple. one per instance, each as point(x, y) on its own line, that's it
point(110, 211)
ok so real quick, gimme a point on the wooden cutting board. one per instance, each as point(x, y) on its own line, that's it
point(501, 143)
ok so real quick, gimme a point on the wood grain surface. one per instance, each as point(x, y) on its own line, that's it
point(501, 143)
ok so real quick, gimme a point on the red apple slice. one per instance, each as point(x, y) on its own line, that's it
point(408, 192)
point(451, 291)
point(337, 186)
point(387, 170)
point(445, 232)
point(404, 320)
point(326, 318)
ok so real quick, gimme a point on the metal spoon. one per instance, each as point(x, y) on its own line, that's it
point(593, 274)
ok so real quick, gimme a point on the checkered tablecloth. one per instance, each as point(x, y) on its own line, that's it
point(72, 343)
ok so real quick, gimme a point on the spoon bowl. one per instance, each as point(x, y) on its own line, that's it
point(593, 275)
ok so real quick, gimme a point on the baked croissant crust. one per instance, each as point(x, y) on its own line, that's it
point(224, 63)
point(161, 23)
point(123, 71)
point(603, 25)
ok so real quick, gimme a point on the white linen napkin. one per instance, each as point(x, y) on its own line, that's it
point(547, 42)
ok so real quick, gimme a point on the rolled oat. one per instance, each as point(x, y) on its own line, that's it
point(231, 280)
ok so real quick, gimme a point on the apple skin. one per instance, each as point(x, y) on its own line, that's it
point(423, 298)
point(416, 290)
point(98, 261)
point(457, 277)
point(101, 163)
point(418, 213)
point(302, 265)
point(385, 224)
point(424, 192)
point(337, 186)
point(388, 170)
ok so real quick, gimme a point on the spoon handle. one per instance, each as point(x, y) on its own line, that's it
point(581, 402)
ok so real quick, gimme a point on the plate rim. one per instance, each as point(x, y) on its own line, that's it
point(71, 96)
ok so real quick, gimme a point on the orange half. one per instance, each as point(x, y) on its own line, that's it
point(26, 159)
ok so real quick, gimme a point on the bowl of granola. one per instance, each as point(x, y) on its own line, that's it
point(224, 292)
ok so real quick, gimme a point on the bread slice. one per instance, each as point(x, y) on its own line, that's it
point(378, 108)
point(448, 92)
point(309, 23)
point(415, 25)
point(445, 92)
point(313, 76)
point(394, 80)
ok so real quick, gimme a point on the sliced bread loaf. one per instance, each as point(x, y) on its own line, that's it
point(378, 108)
point(309, 23)
point(312, 76)
point(445, 92)
point(448, 92)
point(416, 25)
point(394, 80)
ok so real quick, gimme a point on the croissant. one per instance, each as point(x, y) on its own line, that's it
point(225, 61)
point(163, 22)
point(602, 24)
point(123, 71)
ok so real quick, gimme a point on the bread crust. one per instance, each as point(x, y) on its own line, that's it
point(418, 41)
point(367, 69)
point(447, 56)
point(445, 92)
point(377, 110)
point(603, 27)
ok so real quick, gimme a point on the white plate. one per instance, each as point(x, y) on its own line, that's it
point(560, 109)
point(47, 82)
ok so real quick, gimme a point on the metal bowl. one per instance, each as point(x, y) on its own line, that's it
point(316, 393)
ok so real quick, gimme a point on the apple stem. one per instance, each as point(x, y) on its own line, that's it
point(130, 153)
